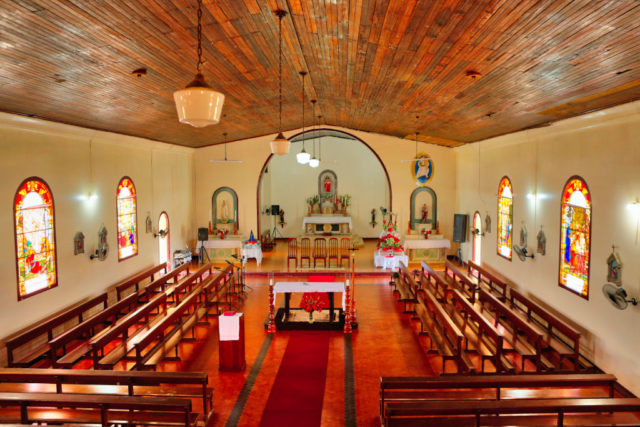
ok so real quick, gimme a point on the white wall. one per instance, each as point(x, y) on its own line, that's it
point(603, 148)
point(59, 154)
point(359, 173)
point(243, 178)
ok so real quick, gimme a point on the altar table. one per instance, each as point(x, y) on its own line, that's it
point(389, 261)
point(326, 219)
point(418, 244)
point(252, 251)
point(288, 288)
point(228, 243)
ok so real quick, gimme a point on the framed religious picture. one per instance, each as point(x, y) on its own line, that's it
point(422, 169)
point(78, 243)
point(327, 184)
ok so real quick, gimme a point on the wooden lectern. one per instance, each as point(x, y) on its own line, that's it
point(231, 341)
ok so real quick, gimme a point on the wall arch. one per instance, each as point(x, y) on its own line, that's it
point(310, 131)
point(434, 207)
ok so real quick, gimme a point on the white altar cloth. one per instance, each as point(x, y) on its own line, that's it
point(227, 243)
point(320, 219)
point(291, 287)
point(252, 251)
point(389, 261)
point(423, 243)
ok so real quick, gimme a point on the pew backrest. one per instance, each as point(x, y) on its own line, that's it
point(490, 279)
point(134, 281)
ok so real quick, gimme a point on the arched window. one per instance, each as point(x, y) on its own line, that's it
point(164, 252)
point(477, 238)
point(35, 238)
point(575, 237)
point(505, 218)
point(127, 219)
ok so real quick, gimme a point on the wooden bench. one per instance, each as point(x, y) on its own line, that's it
point(492, 387)
point(419, 413)
point(531, 347)
point(61, 358)
point(216, 290)
point(91, 408)
point(406, 287)
point(121, 330)
point(159, 285)
point(186, 285)
point(486, 339)
point(560, 337)
point(490, 280)
point(443, 333)
point(193, 385)
point(156, 342)
point(45, 332)
point(133, 283)
point(434, 280)
point(468, 285)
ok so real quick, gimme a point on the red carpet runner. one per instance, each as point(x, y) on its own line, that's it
point(298, 391)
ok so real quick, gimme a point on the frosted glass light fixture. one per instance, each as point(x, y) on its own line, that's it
point(280, 145)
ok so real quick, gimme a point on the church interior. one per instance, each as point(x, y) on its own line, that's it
point(358, 212)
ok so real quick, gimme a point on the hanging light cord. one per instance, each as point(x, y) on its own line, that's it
point(315, 131)
point(303, 74)
point(199, 35)
point(280, 16)
point(225, 146)
point(319, 143)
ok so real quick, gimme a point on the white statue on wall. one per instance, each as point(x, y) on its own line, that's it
point(224, 211)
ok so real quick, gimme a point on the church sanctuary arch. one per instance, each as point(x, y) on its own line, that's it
point(224, 209)
point(358, 172)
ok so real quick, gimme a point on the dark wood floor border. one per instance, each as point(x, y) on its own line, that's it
point(243, 397)
point(350, 419)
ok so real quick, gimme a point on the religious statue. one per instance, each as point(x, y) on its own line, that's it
point(373, 218)
point(281, 215)
point(542, 242)
point(614, 267)
point(224, 210)
point(425, 214)
point(487, 223)
point(327, 184)
point(523, 236)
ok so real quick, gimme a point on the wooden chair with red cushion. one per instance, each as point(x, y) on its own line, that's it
point(305, 250)
point(293, 253)
point(333, 251)
point(344, 251)
point(319, 251)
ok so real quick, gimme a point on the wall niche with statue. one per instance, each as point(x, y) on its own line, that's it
point(424, 209)
point(225, 210)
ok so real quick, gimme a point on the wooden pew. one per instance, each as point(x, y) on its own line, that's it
point(406, 287)
point(486, 339)
point(156, 342)
point(216, 290)
point(193, 385)
point(159, 285)
point(187, 284)
point(420, 413)
point(558, 332)
point(61, 358)
point(531, 348)
point(468, 285)
point(488, 279)
point(434, 280)
point(121, 330)
point(45, 330)
point(443, 333)
point(133, 282)
point(492, 387)
point(92, 408)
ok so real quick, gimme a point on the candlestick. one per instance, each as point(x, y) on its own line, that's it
point(347, 314)
point(272, 325)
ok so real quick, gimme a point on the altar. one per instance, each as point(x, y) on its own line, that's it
point(431, 249)
point(318, 224)
point(386, 260)
point(222, 248)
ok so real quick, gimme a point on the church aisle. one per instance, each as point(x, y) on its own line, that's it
point(384, 344)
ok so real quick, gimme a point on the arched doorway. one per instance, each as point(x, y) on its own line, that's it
point(476, 240)
point(324, 139)
point(164, 249)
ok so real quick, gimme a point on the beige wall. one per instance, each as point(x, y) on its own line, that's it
point(243, 178)
point(59, 154)
point(602, 148)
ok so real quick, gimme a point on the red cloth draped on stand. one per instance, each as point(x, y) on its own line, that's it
point(321, 296)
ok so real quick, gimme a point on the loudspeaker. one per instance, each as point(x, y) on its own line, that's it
point(275, 209)
point(460, 227)
point(203, 234)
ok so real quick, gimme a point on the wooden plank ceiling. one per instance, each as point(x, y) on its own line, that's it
point(373, 65)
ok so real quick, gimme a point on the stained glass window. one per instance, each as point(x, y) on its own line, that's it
point(127, 219)
point(505, 218)
point(575, 237)
point(35, 238)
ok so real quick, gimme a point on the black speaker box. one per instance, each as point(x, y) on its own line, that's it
point(460, 227)
point(203, 234)
point(275, 209)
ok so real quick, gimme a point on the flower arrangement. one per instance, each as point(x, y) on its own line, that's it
point(425, 233)
point(390, 243)
point(222, 233)
point(390, 224)
point(311, 302)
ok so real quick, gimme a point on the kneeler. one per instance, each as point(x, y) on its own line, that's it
point(322, 296)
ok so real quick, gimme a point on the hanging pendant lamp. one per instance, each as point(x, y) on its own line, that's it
point(280, 145)
point(198, 105)
point(303, 157)
point(314, 162)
